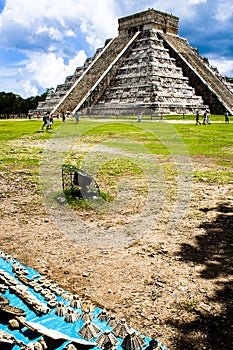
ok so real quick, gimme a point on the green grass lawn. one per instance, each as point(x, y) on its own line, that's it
point(14, 129)
point(22, 143)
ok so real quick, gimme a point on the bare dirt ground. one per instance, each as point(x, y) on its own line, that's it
point(174, 287)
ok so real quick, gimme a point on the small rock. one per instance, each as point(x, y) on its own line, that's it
point(85, 274)
point(204, 179)
point(14, 324)
point(183, 288)
point(203, 308)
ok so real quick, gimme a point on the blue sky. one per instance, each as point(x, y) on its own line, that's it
point(44, 41)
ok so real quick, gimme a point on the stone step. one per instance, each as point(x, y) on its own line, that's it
point(198, 66)
point(91, 76)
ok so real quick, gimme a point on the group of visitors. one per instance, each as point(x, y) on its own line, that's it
point(47, 121)
point(206, 117)
point(68, 114)
point(48, 118)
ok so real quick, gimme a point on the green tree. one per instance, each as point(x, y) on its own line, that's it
point(12, 104)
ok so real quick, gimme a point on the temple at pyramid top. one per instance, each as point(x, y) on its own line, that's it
point(147, 68)
point(149, 19)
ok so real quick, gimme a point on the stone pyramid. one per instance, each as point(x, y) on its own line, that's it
point(147, 68)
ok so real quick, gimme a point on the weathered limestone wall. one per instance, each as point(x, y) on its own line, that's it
point(206, 81)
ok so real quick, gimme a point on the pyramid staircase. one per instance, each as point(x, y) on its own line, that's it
point(88, 83)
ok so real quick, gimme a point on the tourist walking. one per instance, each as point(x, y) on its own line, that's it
point(76, 115)
point(63, 116)
point(206, 118)
point(197, 118)
point(44, 122)
point(139, 117)
point(48, 123)
point(51, 120)
point(226, 117)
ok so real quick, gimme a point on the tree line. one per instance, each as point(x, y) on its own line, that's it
point(13, 105)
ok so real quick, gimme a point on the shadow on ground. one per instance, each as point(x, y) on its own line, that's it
point(214, 250)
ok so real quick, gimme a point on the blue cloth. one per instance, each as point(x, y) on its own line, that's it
point(51, 320)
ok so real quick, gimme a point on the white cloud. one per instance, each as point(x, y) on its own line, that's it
point(27, 14)
point(98, 22)
point(52, 32)
point(224, 66)
point(48, 70)
point(23, 22)
point(29, 89)
point(49, 35)
point(70, 33)
point(39, 72)
point(224, 10)
point(196, 2)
